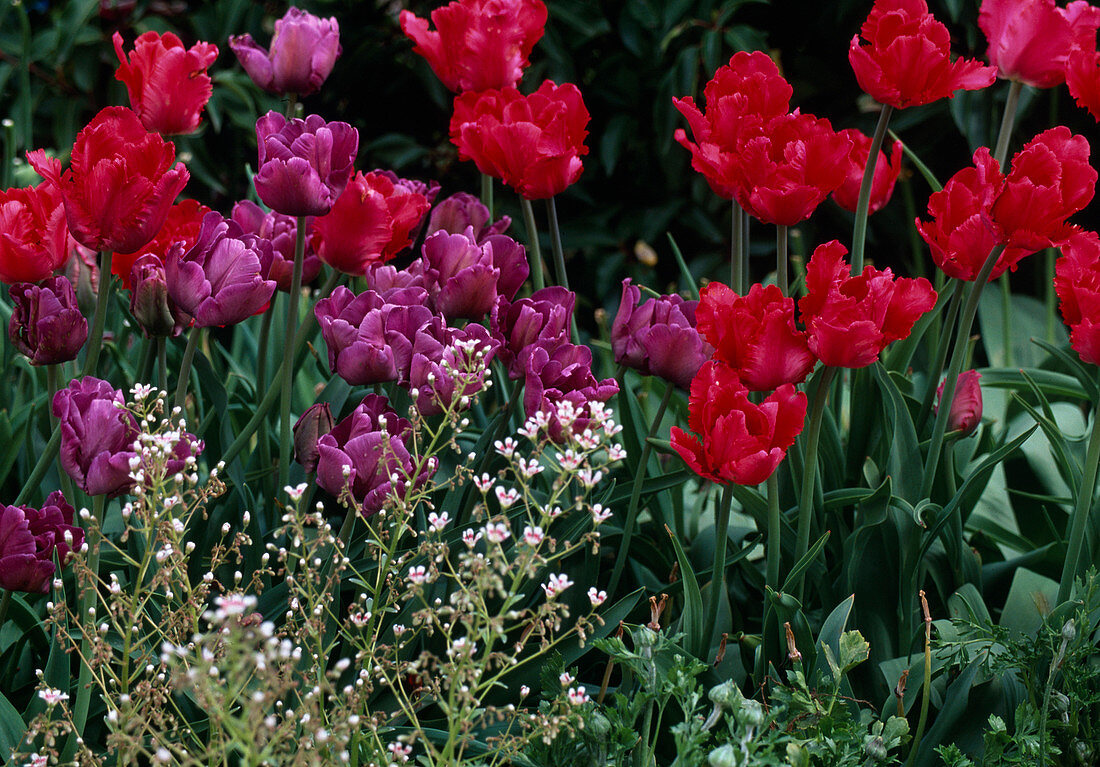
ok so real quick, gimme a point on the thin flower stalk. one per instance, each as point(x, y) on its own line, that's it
point(1078, 524)
point(285, 436)
point(859, 232)
point(809, 474)
point(535, 255)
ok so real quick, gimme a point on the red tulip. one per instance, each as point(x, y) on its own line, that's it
point(789, 166)
point(478, 45)
point(966, 406)
point(850, 320)
point(743, 94)
point(34, 238)
point(120, 183)
point(532, 143)
point(167, 82)
point(1083, 79)
point(735, 440)
point(1077, 283)
point(1030, 39)
point(755, 335)
point(904, 57)
point(369, 224)
point(182, 225)
point(886, 173)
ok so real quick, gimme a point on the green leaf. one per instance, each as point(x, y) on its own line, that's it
point(1030, 599)
point(685, 273)
point(802, 564)
point(853, 651)
point(691, 621)
point(925, 171)
point(12, 727)
point(904, 450)
point(832, 629)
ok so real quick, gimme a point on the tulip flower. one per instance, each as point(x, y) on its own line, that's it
point(478, 45)
point(464, 278)
point(1077, 283)
point(1083, 79)
point(371, 222)
point(532, 143)
point(218, 280)
point(563, 373)
point(120, 183)
point(97, 436)
point(366, 455)
point(446, 363)
point(182, 225)
point(755, 335)
point(462, 210)
point(539, 321)
point(310, 427)
point(735, 440)
point(167, 83)
point(966, 406)
point(304, 165)
point(902, 57)
point(886, 173)
point(29, 540)
point(303, 51)
point(980, 208)
point(34, 237)
point(659, 337)
point(152, 307)
point(1029, 40)
point(739, 98)
point(281, 232)
point(850, 320)
point(46, 324)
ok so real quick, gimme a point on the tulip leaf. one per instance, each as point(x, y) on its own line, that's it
point(904, 450)
point(1083, 373)
point(691, 621)
point(925, 171)
point(954, 712)
point(832, 630)
point(803, 564)
point(1052, 384)
point(685, 273)
point(12, 726)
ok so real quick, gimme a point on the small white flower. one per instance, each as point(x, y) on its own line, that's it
point(506, 497)
point(597, 598)
point(566, 679)
point(507, 448)
point(52, 696)
point(398, 629)
point(484, 482)
point(360, 619)
point(524, 691)
point(589, 478)
point(418, 575)
point(577, 696)
point(555, 512)
point(233, 604)
point(470, 538)
point(530, 468)
point(496, 532)
point(400, 752)
point(600, 514)
point(38, 760)
point(556, 585)
point(533, 536)
point(616, 452)
point(570, 460)
point(295, 493)
point(438, 521)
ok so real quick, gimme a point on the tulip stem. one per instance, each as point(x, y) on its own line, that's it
point(863, 204)
point(1078, 525)
point(535, 254)
point(88, 599)
point(555, 242)
point(162, 363)
point(774, 535)
point(1008, 120)
point(636, 492)
point(295, 296)
point(809, 471)
point(261, 386)
point(942, 348)
point(52, 385)
point(185, 366)
point(265, 405)
point(737, 249)
point(958, 354)
point(487, 193)
point(48, 454)
point(718, 572)
point(781, 258)
point(95, 337)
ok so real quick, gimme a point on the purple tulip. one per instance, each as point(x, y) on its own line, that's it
point(559, 374)
point(539, 321)
point(46, 324)
point(97, 436)
point(218, 281)
point(281, 231)
point(366, 455)
point(383, 278)
point(463, 210)
point(659, 337)
point(154, 310)
point(314, 424)
point(28, 540)
point(304, 164)
point(464, 278)
point(447, 363)
point(369, 337)
point(303, 51)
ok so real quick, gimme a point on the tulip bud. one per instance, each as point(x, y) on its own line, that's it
point(149, 301)
point(966, 407)
point(303, 51)
point(46, 324)
point(314, 423)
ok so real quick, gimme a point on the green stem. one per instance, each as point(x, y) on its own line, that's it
point(746, 252)
point(1008, 120)
point(7, 125)
point(925, 693)
point(942, 347)
point(1006, 317)
point(5, 601)
point(774, 535)
point(95, 337)
point(809, 472)
point(718, 572)
point(737, 250)
point(285, 441)
point(261, 386)
point(863, 204)
point(162, 363)
point(781, 258)
point(185, 366)
point(487, 193)
point(533, 242)
point(636, 493)
point(958, 355)
point(39, 471)
point(265, 405)
point(1078, 524)
point(52, 384)
point(88, 599)
point(555, 243)
point(1050, 256)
